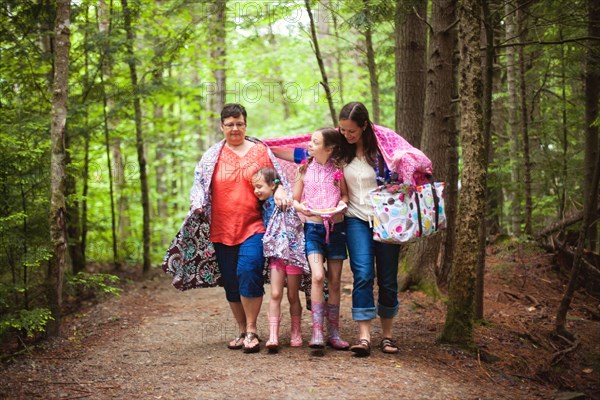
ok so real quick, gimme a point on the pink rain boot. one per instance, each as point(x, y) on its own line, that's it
point(333, 328)
point(317, 342)
point(296, 335)
point(273, 342)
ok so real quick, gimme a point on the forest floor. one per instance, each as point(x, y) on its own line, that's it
point(154, 342)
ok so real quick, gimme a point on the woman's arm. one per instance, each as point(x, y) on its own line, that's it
point(292, 154)
point(344, 198)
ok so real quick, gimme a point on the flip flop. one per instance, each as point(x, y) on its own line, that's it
point(250, 337)
point(238, 340)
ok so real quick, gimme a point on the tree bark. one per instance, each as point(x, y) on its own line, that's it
point(73, 220)
point(592, 98)
point(488, 80)
point(410, 54)
point(512, 193)
point(561, 314)
point(458, 328)
point(217, 46)
point(425, 256)
point(317, 51)
point(58, 233)
point(127, 14)
point(109, 122)
point(371, 65)
point(522, 24)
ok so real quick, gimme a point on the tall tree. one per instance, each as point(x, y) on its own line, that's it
point(410, 54)
point(317, 50)
point(110, 122)
point(589, 203)
point(371, 64)
point(592, 96)
point(513, 121)
point(424, 257)
point(58, 233)
point(461, 291)
point(522, 24)
point(487, 40)
point(127, 14)
point(217, 47)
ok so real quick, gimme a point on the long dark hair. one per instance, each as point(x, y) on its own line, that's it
point(358, 113)
point(332, 140)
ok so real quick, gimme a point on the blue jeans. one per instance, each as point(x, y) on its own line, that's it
point(241, 267)
point(369, 258)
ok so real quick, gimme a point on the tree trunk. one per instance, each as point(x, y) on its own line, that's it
point(127, 14)
point(109, 122)
point(488, 81)
point(410, 54)
point(72, 204)
point(338, 58)
point(317, 51)
point(452, 176)
point(561, 314)
point(58, 234)
point(522, 24)
point(592, 96)
point(513, 124)
point(461, 294)
point(216, 24)
point(425, 256)
point(372, 66)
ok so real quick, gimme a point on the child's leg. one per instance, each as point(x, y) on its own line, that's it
point(277, 284)
point(293, 292)
point(318, 307)
point(334, 275)
point(317, 276)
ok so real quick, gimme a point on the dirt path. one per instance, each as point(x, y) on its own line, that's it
point(154, 342)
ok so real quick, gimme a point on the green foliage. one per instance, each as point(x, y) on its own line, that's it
point(31, 321)
point(97, 283)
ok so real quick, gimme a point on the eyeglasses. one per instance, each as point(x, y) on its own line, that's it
point(239, 125)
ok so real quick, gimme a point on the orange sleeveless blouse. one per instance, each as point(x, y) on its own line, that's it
point(236, 214)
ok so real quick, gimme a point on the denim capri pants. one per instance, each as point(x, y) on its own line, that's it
point(241, 267)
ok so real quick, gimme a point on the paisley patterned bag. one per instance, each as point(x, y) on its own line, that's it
point(404, 213)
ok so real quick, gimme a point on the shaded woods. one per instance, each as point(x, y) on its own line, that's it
point(106, 106)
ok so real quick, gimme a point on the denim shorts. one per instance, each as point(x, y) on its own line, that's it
point(314, 235)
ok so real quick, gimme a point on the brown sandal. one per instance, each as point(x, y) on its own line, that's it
point(362, 348)
point(388, 346)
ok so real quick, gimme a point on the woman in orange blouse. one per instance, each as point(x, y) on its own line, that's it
point(236, 226)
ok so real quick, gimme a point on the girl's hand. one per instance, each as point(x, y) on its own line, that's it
point(301, 208)
point(199, 211)
point(282, 200)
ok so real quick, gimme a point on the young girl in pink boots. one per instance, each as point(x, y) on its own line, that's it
point(320, 194)
point(283, 245)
